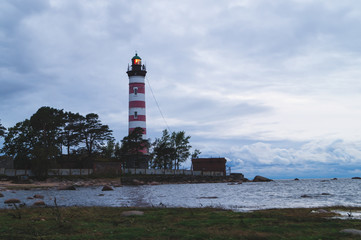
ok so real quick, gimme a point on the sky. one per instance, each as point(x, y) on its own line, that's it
point(273, 86)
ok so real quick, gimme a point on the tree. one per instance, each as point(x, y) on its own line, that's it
point(117, 151)
point(170, 150)
point(196, 153)
point(111, 151)
point(2, 130)
point(38, 142)
point(181, 146)
point(133, 147)
point(47, 124)
point(163, 151)
point(71, 135)
point(108, 151)
point(94, 133)
point(134, 142)
point(19, 143)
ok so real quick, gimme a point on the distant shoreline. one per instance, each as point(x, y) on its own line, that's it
point(126, 180)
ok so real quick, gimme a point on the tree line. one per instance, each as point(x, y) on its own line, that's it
point(51, 137)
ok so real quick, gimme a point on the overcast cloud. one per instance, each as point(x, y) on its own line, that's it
point(274, 86)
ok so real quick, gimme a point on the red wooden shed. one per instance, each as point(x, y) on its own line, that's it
point(209, 164)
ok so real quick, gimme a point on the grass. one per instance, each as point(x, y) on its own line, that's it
point(170, 223)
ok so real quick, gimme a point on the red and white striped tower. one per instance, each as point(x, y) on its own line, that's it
point(136, 73)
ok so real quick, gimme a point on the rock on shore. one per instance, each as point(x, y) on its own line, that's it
point(261, 179)
point(66, 188)
point(12, 200)
point(39, 203)
point(38, 196)
point(107, 188)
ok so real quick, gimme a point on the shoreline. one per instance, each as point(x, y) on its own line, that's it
point(127, 180)
point(57, 183)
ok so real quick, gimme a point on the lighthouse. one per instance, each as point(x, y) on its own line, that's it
point(136, 73)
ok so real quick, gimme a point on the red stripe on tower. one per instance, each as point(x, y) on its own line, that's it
point(136, 88)
point(136, 104)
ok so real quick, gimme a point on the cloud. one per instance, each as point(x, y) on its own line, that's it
point(269, 83)
point(321, 158)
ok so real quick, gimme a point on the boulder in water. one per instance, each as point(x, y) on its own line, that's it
point(356, 178)
point(39, 203)
point(107, 188)
point(67, 188)
point(261, 179)
point(38, 196)
point(213, 197)
point(12, 200)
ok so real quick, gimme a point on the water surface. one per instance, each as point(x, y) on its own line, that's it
point(240, 197)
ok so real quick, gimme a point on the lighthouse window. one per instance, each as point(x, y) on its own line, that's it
point(135, 115)
point(135, 90)
point(137, 61)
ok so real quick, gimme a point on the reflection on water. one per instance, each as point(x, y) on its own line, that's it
point(241, 197)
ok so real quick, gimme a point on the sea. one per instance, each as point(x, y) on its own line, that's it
point(250, 196)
